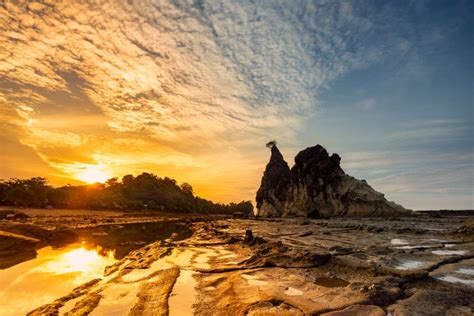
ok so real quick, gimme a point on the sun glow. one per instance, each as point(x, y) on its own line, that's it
point(93, 174)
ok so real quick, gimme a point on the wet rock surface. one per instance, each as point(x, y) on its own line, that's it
point(340, 266)
point(317, 187)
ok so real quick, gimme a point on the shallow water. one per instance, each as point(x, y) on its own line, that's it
point(469, 271)
point(449, 252)
point(56, 272)
point(398, 241)
point(51, 275)
point(125, 238)
point(183, 295)
point(453, 279)
point(415, 247)
point(440, 240)
point(409, 264)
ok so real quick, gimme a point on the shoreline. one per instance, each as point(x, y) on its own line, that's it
point(292, 266)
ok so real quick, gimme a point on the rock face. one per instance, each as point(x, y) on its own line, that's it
point(274, 190)
point(317, 187)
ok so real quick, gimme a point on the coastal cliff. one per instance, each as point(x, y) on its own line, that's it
point(317, 187)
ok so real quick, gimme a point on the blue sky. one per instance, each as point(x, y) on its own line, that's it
point(194, 89)
point(406, 123)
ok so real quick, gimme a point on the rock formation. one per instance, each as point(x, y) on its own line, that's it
point(317, 187)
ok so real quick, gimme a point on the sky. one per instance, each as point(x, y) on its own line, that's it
point(194, 89)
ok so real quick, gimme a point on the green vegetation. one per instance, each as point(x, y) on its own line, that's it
point(144, 192)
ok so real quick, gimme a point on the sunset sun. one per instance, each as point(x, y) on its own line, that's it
point(93, 174)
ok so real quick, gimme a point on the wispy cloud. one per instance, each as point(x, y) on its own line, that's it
point(168, 68)
point(413, 177)
point(449, 180)
point(202, 83)
point(434, 130)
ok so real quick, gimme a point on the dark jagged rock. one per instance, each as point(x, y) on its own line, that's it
point(316, 186)
point(273, 192)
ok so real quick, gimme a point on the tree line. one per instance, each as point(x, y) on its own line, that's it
point(143, 192)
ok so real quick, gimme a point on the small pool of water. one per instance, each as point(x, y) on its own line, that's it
point(435, 229)
point(398, 241)
point(331, 282)
point(183, 296)
point(409, 264)
point(449, 252)
point(440, 240)
point(51, 275)
point(125, 238)
point(415, 247)
point(454, 279)
point(468, 271)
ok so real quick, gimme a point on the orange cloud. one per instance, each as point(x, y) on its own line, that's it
point(189, 91)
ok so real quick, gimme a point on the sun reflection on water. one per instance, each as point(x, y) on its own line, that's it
point(81, 260)
point(51, 275)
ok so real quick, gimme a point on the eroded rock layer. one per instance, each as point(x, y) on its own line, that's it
point(421, 265)
point(317, 187)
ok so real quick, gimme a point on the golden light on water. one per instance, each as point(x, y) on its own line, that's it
point(52, 274)
point(78, 260)
point(93, 174)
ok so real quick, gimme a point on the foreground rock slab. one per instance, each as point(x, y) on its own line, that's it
point(281, 267)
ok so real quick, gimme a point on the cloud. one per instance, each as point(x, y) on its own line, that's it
point(433, 130)
point(53, 139)
point(449, 180)
point(417, 178)
point(189, 85)
point(167, 67)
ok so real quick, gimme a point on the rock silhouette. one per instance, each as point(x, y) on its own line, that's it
point(317, 187)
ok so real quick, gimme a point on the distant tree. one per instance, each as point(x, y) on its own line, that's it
point(112, 182)
point(146, 191)
point(59, 197)
point(271, 144)
point(151, 205)
point(186, 188)
point(25, 192)
point(3, 192)
point(20, 196)
point(169, 180)
point(127, 179)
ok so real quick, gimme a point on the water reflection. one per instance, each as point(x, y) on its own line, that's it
point(454, 279)
point(183, 297)
point(56, 272)
point(51, 275)
point(125, 238)
point(409, 264)
point(449, 252)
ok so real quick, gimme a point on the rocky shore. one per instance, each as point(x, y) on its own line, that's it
point(349, 266)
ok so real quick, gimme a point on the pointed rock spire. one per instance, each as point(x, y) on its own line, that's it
point(274, 186)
